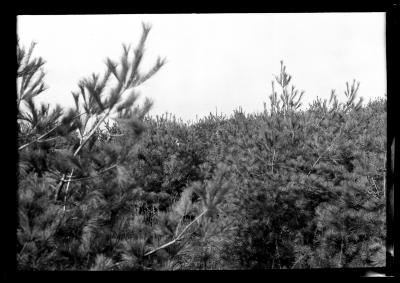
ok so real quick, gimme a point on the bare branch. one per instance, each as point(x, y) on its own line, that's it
point(39, 139)
point(70, 179)
point(178, 237)
point(91, 133)
point(66, 191)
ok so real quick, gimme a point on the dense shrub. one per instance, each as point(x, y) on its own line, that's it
point(288, 187)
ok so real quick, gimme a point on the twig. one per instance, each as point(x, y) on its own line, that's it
point(277, 250)
point(178, 237)
point(197, 218)
point(376, 187)
point(297, 261)
point(272, 163)
point(50, 139)
point(161, 247)
point(91, 133)
point(340, 256)
point(322, 154)
point(90, 177)
point(66, 190)
point(44, 135)
point(315, 163)
point(37, 140)
point(384, 185)
point(375, 192)
point(117, 135)
point(23, 248)
point(54, 173)
point(60, 185)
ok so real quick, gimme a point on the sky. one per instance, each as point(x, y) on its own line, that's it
point(214, 61)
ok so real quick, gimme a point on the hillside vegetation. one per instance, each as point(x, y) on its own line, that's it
point(283, 188)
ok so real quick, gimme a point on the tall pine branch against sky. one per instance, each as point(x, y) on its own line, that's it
point(215, 60)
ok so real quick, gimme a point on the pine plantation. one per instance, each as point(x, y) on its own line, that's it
point(105, 186)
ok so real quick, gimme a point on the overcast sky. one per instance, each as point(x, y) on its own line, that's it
point(215, 60)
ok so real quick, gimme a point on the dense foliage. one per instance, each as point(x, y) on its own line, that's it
point(104, 186)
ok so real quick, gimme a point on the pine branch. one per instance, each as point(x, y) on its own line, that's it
point(160, 62)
